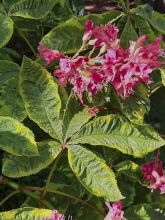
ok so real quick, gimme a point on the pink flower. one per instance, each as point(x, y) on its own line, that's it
point(48, 54)
point(115, 211)
point(88, 31)
point(124, 69)
point(55, 216)
point(153, 173)
point(106, 34)
point(81, 74)
point(110, 64)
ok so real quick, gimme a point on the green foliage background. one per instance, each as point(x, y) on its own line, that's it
point(43, 128)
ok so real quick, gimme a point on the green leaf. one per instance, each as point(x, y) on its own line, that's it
point(156, 81)
point(122, 3)
point(121, 23)
point(6, 27)
point(11, 103)
point(67, 37)
point(156, 116)
point(127, 189)
point(15, 138)
point(64, 98)
point(162, 71)
point(25, 213)
point(14, 166)
point(93, 173)
point(117, 132)
point(137, 105)
point(41, 98)
point(75, 117)
point(9, 54)
point(144, 28)
point(2, 9)
point(128, 34)
point(110, 155)
point(35, 9)
point(62, 2)
point(144, 212)
point(156, 19)
point(129, 169)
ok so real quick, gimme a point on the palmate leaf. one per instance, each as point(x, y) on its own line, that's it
point(75, 116)
point(67, 37)
point(117, 132)
point(41, 98)
point(34, 9)
point(93, 173)
point(14, 166)
point(15, 138)
point(11, 103)
point(25, 213)
point(6, 27)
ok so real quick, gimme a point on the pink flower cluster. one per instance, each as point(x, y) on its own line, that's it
point(153, 173)
point(115, 211)
point(106, 63)
point(55, 216)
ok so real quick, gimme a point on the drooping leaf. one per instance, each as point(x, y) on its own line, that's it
point(117, 132)
point(25, 213)
point(75, 117)
point(93, 173)
point(137, 105)
point(144, 212)
point(14, 166)
point(128, 34)
point(15, 138)
point(6, 27)
point(67, 37)
point(41, 98)
point(35, 9)
point(11, 103)
point(156, 19)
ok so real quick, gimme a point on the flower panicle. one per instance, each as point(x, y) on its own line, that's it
point(106, 63)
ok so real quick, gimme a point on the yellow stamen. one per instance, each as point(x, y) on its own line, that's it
point(86, 73)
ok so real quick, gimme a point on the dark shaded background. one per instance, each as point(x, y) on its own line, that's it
point(98, 6)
